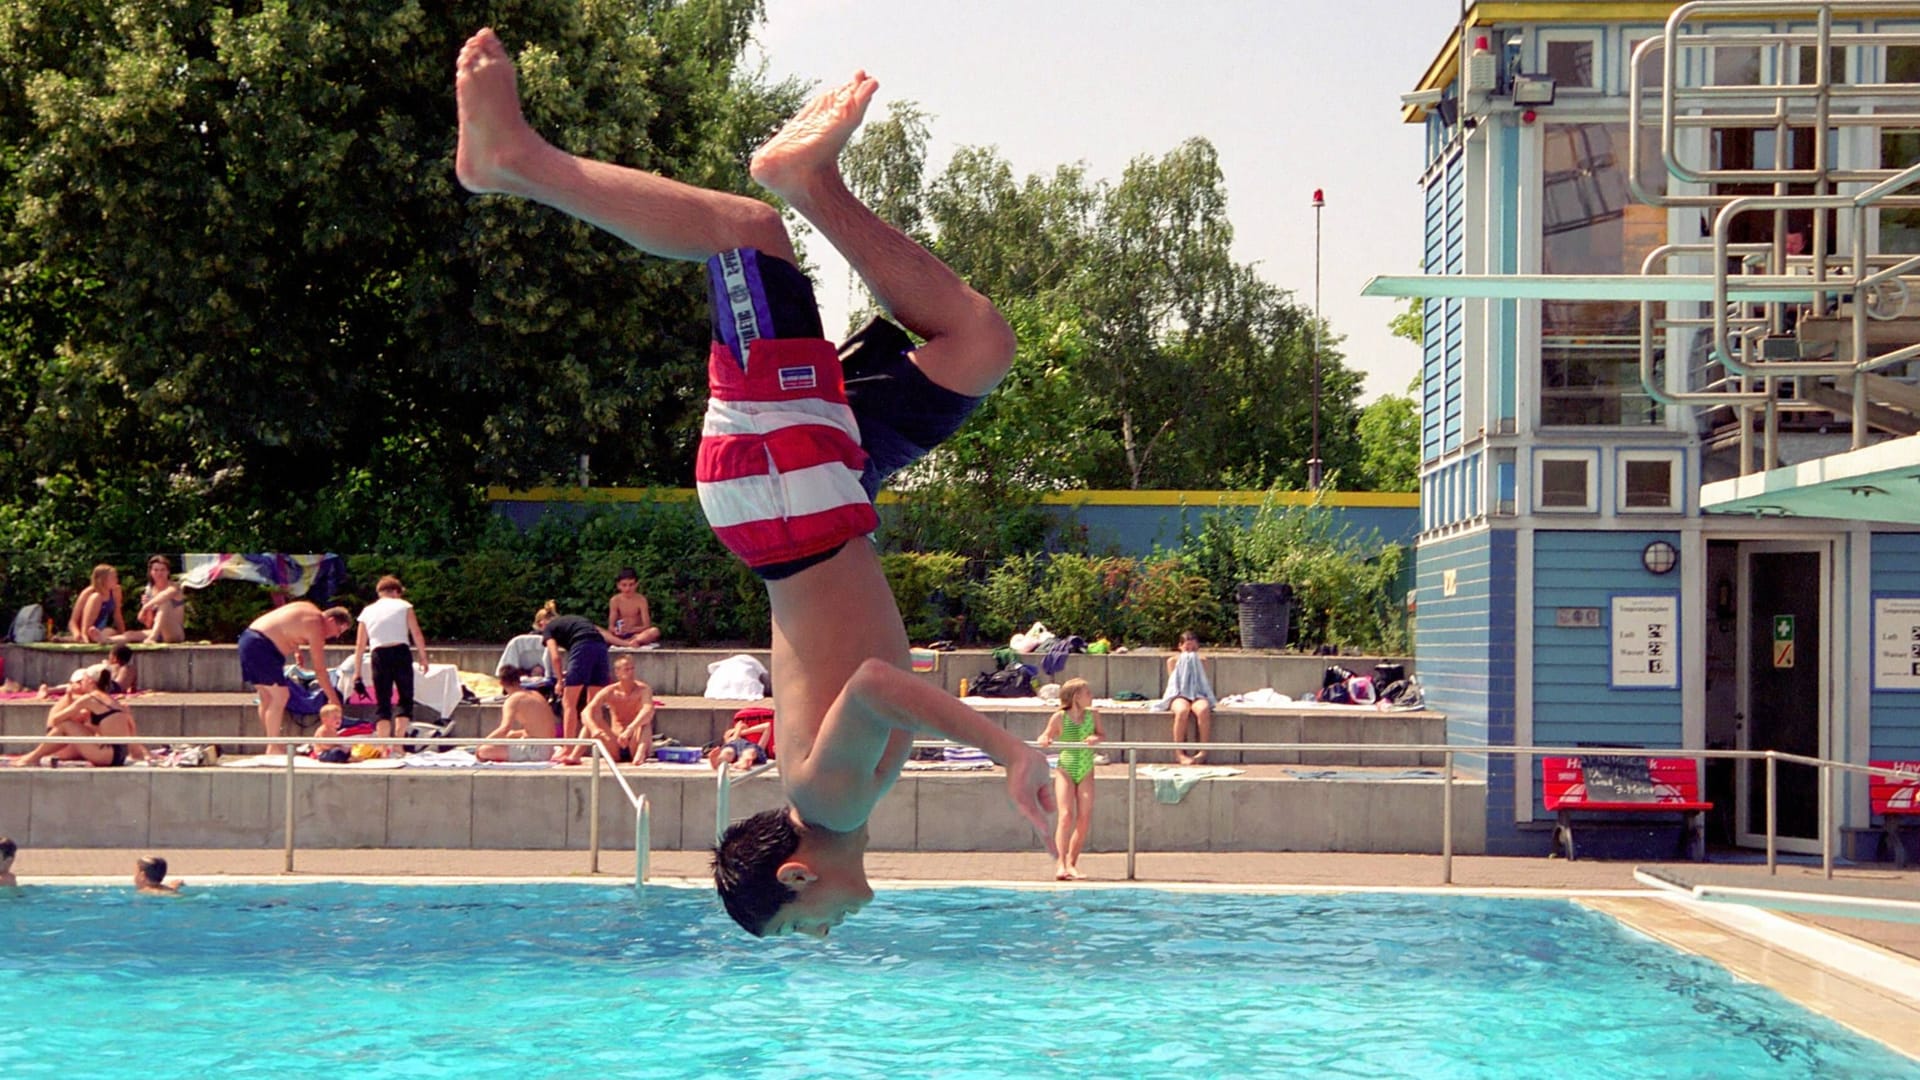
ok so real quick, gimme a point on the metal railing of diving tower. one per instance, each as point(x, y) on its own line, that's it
point(1753, 355)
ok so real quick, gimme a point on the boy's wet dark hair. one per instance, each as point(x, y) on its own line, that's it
point(746, 862)
point(627, 573)
point(7, 847)
point(122, 654)
point(154, 869)
point(507, 673)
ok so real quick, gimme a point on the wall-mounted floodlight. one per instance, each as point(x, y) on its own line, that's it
point(1423, 99)
point(1533, 91)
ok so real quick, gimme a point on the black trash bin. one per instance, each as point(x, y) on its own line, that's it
point(1265, 612)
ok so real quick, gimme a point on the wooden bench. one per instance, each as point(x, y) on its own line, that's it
point(1605, 783)
point(1894, 799)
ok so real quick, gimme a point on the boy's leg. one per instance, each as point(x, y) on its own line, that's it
point(498, 152)
point(968, 345)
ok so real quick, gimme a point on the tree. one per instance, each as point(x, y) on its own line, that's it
point(1389, 434)
point(246, 303)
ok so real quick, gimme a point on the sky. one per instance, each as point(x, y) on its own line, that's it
point(1293, 95)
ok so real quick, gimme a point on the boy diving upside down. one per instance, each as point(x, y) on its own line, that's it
point(792, 452)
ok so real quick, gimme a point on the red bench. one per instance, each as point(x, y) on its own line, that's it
point(1893, 799)
point(1606, 783)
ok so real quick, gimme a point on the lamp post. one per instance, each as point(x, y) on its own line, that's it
point(1313, 463)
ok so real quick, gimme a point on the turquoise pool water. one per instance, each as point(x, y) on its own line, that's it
point(562, 980)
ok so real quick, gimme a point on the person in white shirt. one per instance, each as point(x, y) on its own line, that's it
point(387, 627)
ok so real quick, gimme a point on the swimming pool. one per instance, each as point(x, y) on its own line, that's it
point(571, 980)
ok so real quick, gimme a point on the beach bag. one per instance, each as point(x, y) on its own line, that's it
point(1009, 682)
point(1360, 690)
point(29, 625)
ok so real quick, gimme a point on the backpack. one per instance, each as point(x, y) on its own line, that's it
point(1013, 681)
point(29, 625)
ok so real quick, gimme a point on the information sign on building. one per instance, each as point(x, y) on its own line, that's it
point(1896, 643)
point(1646, 652)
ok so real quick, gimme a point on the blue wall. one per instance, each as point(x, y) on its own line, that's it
point(1572, 701)
point(1465, 646)
point(1895, 713)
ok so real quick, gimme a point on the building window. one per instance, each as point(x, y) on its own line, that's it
point(1565, 481)
point(1570, 63)
point(1736, 65)
point(1649, 481)
point(1652, 68)
point(1591, 224)
point(1899, 226)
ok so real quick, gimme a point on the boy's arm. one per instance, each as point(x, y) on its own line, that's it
point(360, 652)
point(843, 765)
point(591, 713)
point(317, 652)
point(646, 615)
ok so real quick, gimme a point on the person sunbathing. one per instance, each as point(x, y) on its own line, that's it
point(787, 428)
point(87, 710)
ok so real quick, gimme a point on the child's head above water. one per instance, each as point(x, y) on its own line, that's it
point(7, 850)
point(152, 869)
point(746, 868)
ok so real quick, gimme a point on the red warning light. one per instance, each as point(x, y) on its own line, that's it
point(1319, 197)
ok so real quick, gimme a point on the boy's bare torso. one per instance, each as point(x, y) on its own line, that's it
point(827, 621)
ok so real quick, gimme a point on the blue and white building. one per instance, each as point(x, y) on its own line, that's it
point(1670, 420)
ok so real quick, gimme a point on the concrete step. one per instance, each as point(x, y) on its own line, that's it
point(677, 671)
point(696, 721)
point(1266, 808)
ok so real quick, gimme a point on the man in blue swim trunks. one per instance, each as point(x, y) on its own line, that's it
point(791, 455)
point(274, 638)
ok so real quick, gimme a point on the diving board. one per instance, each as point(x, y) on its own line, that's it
point(1793, 288)
point(1875, 483)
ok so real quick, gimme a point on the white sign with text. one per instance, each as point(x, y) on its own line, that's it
point(1896, 643)
point(1645, 650)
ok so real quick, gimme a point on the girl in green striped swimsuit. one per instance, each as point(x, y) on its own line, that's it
point(1076, 726)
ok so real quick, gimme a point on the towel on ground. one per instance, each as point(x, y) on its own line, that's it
point(737, 678)
point(925, 660)
point(1172, 782)
point(442, 759)
point(279, 761)
point(1264, 698)
point(1188, 680)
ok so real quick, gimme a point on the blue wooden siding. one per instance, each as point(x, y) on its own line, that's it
point(1572, 701)
point(1451, 494)
point(1433, 320)
point(1456, 314)
point(1895, 714)
point(1465, 644)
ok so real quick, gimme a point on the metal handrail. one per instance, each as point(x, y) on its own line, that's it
point(1450, 751)
point(642, 808)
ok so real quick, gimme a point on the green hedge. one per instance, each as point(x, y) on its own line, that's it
point(1345, 585)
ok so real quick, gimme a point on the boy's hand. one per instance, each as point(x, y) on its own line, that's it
point(1030, 786)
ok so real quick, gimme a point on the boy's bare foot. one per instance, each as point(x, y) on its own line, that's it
point(1061, 873)
point(494, 136)
point(807, 149)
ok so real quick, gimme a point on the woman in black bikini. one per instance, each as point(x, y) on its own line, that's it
point(87, 710)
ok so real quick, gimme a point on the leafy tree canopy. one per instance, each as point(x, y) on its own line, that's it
point(243, 300)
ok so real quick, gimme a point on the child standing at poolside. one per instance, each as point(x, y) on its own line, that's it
point(628, 614)
point(1076, 726)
